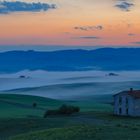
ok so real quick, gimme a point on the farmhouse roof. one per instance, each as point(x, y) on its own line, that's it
point(131, 92)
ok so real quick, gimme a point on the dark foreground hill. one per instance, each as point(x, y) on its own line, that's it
point(83, 132)
point(71, 60)
point(19, 120)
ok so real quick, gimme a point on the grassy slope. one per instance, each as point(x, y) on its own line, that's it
point(28, 99)
point(20, 106)
point(18, 115)
point(94, 122)
point(84, 133)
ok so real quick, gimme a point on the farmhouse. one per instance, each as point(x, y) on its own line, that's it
point(127, 103)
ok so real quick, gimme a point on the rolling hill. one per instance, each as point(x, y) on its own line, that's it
point(21, 106)
point(78, 91)
point(19, 116)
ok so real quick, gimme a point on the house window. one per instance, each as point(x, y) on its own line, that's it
point(126, 101)
point(120, 100)
point(127, 111)
point(120, 111)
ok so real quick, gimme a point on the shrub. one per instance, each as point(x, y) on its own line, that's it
point(63, 110)
point(77, 109)
point(67, 110)
point(135, 128)
point(50, 112)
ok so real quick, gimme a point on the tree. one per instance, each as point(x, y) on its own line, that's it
point(34, 105)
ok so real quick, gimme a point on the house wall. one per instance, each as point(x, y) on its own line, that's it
point(137, 107)
point(124, 105)
point(130, 106)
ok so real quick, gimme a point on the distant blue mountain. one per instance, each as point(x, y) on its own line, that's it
point(71, 60)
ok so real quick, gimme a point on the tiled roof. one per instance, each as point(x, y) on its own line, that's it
point(133, 93)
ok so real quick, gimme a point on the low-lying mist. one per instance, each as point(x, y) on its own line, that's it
point(69, 85)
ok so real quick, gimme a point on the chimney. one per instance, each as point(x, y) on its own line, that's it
point(131, 89)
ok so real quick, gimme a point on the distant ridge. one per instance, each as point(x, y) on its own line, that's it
point(71, 60)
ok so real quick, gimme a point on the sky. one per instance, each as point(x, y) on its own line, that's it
point(69, 23)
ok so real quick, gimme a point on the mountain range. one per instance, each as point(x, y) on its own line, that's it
point(71, 60)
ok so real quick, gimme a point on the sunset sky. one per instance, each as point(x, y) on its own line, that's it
point(70, 22)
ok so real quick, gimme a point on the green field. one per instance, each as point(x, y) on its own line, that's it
point(19, 120)
point(20, 106)
point(84, 132)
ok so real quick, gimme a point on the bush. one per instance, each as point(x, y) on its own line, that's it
point(50, 112)
point(63, 110)
point(77, 109)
